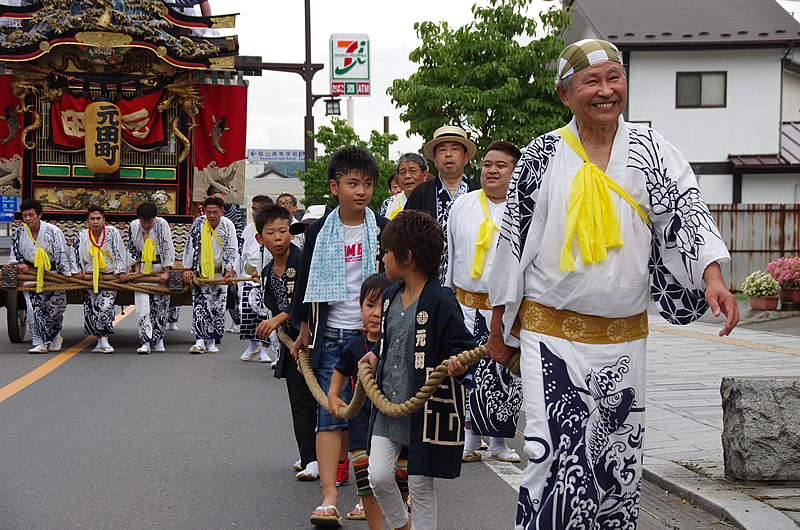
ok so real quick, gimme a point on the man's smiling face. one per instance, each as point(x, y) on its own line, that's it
point(599, 94)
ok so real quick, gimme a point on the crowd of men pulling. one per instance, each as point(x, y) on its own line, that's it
point(555, 252)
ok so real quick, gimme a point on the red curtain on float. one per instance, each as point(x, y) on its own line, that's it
point(10, 139)
point(142, 125)
point(219, 143)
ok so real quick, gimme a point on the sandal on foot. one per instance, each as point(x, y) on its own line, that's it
point(298, 466)
point(470, 456)
point(357, 514)
point(507, 456)
point(311, 472)
point(327, 520)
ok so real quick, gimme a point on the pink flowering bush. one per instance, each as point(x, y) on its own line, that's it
point(786, 272)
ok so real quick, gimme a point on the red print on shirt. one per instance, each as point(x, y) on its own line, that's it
point(352, 253)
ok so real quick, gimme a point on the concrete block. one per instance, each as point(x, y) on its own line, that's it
point(761, 428)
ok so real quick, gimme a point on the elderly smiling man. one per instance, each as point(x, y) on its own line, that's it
point(596, 212)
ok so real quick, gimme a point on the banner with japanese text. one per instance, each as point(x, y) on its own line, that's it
point(143, 127)
point(11, 142)
point(219, 143)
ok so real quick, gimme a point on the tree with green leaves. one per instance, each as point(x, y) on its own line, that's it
point(315, 181)
point(482, 79)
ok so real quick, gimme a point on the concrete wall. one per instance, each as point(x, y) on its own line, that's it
point(716, 189)
point(791, 96)
point(750, 122)
point(770, 189)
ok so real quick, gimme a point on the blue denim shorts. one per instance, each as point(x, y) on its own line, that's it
point(332, 345)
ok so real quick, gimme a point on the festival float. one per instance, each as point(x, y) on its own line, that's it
point(113, 103)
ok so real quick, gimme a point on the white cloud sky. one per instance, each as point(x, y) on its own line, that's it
point(275, 31)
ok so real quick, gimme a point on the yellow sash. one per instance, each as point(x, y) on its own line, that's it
point(40, 261)
point(591, 213)
point(484, 241)
point(148, 255)
point(206, 252)
point(96, 252)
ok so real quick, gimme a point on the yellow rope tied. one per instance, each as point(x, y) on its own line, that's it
point(96, 252)
point(40, 261)
point(484, 241)
point(206, 252)
point(148, 255)
point(591, 213)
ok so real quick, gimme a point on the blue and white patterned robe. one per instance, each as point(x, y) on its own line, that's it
point(208, 301)
point(45, 309)
point(585, 403)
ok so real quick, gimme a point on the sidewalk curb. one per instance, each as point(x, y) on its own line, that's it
point(739, 508)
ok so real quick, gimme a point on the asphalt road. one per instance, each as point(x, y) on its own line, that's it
point(180, 441)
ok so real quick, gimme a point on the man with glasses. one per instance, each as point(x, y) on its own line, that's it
point(288, 201)
point(411, 171)
point(211, 251)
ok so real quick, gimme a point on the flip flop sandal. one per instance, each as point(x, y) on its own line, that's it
point(357, 513)
point(327, 520)
point(470, 456)
point(507, 456)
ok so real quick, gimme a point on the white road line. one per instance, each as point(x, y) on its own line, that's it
point(505, 470)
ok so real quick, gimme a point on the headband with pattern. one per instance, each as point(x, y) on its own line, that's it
point(584, 54)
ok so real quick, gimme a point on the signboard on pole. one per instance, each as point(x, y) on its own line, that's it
point(275, 155)
point(8, 205)
point(350, 66)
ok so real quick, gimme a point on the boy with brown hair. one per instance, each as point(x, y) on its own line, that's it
point(342, 249)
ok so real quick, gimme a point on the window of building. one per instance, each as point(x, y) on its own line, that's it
point(701, 89)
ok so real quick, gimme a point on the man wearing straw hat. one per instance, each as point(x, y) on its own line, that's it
point(450, 151)
point(600, 214)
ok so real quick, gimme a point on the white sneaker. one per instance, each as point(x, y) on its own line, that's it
point(211, 346)
point(160, 346)
point(144, 349)
point(41, 348)
point(172, 326)
point(56, 344)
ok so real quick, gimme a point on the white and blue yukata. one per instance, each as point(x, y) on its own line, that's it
point(209, 301)
point(254, 258)
point(493, 405)
point(585, 403)
point(45, 309)
point(98, 307)
point(152, 310)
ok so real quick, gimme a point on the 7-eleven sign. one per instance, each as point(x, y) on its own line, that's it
point(350, 66)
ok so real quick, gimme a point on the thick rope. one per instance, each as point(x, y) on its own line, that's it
point(143, 283)
point(366, 385)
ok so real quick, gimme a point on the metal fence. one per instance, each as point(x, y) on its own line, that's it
point(756, 234)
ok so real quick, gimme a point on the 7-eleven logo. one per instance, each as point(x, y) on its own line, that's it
point(354, 53)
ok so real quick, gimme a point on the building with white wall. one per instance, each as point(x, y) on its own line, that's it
point(264, 179)
point(716, 78)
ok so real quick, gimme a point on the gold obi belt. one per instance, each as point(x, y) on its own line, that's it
point(473, 300)
point(577, 327)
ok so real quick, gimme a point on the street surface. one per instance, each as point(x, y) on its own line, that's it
point(180, 441)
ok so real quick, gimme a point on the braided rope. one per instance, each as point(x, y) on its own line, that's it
point(366, 385)
point(108, 282)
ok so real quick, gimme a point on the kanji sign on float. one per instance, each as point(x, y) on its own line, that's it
point(103, 137)
point(350, 65)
